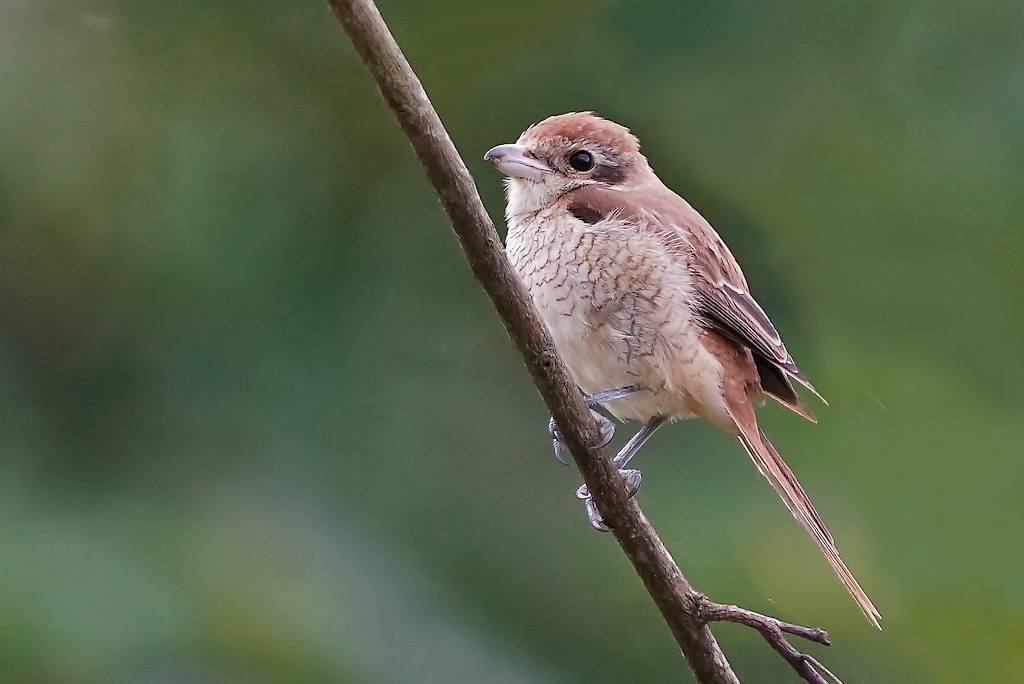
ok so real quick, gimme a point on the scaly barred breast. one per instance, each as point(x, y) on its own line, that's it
point(617, 308)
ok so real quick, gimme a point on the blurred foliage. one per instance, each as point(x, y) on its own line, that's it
point(262, 426)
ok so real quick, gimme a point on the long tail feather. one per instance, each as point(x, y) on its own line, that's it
point(775, 470)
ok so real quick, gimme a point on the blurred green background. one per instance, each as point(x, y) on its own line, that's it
point(260, 424)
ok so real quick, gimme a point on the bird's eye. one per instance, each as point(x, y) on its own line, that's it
point(581, 161)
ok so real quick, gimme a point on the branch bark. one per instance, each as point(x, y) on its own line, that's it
point(686, 611)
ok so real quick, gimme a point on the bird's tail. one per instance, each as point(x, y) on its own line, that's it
point(775, 470)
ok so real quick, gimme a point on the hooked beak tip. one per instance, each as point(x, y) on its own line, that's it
point(516, 161)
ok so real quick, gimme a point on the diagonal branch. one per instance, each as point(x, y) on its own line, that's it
point(686, 611)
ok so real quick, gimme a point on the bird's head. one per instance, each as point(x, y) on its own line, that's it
point(566, 152)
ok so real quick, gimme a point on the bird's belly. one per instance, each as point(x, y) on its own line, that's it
point(679, 378)
point(619, 316)
point(599, 360)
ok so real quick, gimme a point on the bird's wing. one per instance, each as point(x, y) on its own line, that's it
point(721, 294)
point(724, 299)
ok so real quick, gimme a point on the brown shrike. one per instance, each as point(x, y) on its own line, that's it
point(645, 302)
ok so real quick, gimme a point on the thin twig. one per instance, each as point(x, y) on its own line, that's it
point(486, 256)
point(773, 631)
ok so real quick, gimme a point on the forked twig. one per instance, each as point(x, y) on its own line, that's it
point(773, 631)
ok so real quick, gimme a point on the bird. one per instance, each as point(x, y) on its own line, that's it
point(645, 303)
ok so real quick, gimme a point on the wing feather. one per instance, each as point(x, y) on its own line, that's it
point(721, 295)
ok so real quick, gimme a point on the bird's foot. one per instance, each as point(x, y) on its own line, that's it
point(606, 427)
point(632, 478)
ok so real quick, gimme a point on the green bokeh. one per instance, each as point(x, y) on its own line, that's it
point(261, 425)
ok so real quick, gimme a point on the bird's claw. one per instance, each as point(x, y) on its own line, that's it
point(583, 494)
point(632, 478)
point(556, 442)
point(606, 427)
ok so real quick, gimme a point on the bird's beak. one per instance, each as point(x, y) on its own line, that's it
point(516, 161)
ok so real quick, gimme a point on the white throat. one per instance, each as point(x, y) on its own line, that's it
point(527, 197)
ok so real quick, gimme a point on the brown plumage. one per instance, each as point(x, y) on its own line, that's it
point(639, 290)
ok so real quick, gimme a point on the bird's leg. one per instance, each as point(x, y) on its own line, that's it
point(638, 440)
point(610, 395)
point(606, 426)
point(631, 476)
